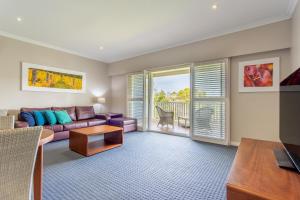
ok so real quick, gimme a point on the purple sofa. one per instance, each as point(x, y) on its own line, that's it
point(115, 119)
point(82, 116)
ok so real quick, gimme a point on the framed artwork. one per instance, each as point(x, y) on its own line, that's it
point(51, 79)
point(259, 75)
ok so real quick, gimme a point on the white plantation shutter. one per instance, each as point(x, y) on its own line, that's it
point(135, 97)
point(209, 102)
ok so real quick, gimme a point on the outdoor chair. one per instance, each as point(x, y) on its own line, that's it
point(18, 149)
point(165, 118)
point(204, 117)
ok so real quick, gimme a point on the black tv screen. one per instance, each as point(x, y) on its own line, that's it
point(290, 116)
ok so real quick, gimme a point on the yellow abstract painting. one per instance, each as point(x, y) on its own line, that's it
point(50, 79)
point(43, 78)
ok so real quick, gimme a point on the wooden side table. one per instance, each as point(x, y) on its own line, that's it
point(186, 119)
point(46, 136)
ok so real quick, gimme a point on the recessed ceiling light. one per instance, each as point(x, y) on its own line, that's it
point(19, 19)
point(101, 48)
point(214, 6)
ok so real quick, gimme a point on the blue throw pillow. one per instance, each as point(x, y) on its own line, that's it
point(28, 117)
point(50, 117)
point(62, 117)
point(39, 118)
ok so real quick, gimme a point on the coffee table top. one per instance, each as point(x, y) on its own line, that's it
point(97, 130)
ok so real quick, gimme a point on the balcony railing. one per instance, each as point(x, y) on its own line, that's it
point(180, 109)
point(206, 124)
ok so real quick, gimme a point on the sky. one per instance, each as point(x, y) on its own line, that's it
point(171, 83)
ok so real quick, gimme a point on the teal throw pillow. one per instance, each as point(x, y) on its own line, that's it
point(50, 117)
point(62, 117)
point(39, 117)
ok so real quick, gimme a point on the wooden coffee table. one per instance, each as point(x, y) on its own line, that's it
point(79, 139)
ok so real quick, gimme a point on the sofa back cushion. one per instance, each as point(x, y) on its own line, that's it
point(32, 109)
point(85, 112)
point(70, 111)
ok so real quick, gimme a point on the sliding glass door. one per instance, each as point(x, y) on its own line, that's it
point(207, 118)
point(169, 100)
point(210, 102)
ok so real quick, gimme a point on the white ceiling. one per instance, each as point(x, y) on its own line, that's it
point(127, 28)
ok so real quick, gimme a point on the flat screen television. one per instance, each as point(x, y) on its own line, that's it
point(290, 117)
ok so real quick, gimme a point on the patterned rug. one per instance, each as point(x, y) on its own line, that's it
point(148, 166)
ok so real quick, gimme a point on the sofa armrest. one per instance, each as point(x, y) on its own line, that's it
point(108, 116)
point(21, 124)
point(116, 115)
point(102, 116)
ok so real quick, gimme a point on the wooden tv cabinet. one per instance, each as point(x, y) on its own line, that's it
point(255, 175)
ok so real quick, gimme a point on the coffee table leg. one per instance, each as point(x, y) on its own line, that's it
point(78, 143)
point(38, 174)
point(114, 137)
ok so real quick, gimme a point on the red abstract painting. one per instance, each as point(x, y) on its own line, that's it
point(260, 75)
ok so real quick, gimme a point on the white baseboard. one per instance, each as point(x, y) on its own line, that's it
point(234, 143)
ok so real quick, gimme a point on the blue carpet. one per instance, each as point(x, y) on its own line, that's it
point(148, 166)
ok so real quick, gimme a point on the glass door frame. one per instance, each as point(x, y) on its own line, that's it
point(150, 97)
point(145, 93)
point(226, 141)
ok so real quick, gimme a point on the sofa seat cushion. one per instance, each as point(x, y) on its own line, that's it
point(55, 128)
point(61, 135)
point(121, 121)
point(95, 122)
point(70, 111)
point(21, 124)
point(85, 112)
point(75, 125)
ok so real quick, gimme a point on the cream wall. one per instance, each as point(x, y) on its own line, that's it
point(118, 93)
point(265, 38)
point(254, 115)
point(296, 38)
point(13, 52)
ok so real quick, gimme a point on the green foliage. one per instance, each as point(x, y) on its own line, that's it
point(160, 97)
point(184, 95)
point(180, 96)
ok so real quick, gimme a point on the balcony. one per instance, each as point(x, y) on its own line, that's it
point(181, 119)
